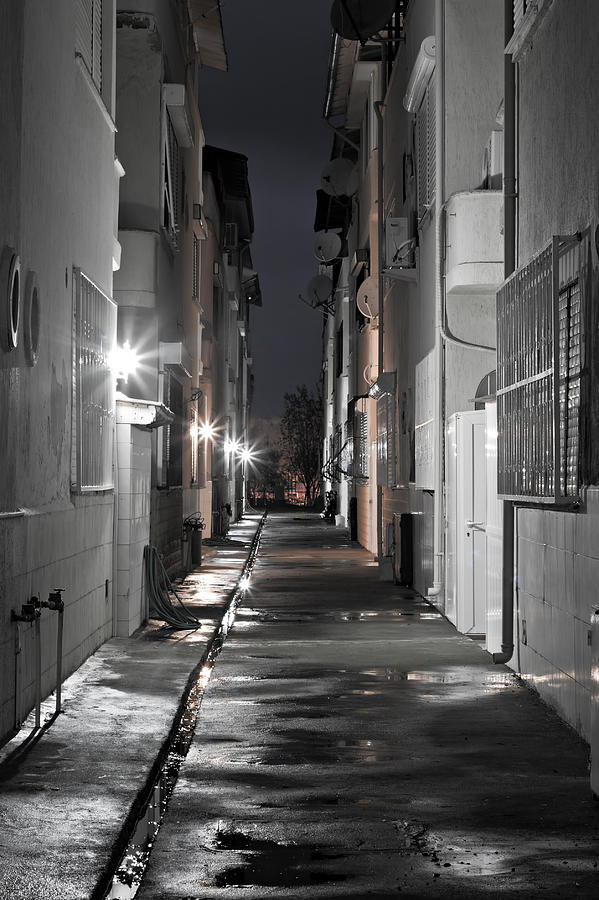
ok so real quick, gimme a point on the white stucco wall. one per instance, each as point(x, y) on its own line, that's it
point(558, 188)
point(63, 186)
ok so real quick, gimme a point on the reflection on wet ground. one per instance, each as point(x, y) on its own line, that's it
point(274, 863)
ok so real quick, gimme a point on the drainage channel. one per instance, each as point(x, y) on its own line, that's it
point(123, 881)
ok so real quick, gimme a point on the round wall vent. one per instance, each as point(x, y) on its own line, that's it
point(31, 318)
point(11, 299)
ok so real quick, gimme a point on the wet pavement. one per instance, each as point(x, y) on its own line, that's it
point(351, 743)
point(71, 792)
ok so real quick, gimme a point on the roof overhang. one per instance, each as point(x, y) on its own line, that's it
point(206, 21)
point(143, 413)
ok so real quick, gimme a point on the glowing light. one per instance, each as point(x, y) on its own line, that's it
point(246, 455)
point(244, 582)
point(194, 431)
point(231, 446)
point(207, 431)
point(123, 361)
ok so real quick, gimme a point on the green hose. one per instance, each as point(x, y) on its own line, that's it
point(159, 589)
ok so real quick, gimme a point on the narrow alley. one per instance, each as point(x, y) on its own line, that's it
point(351, 743)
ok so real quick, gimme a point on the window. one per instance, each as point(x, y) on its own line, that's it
point(385, 440)
point(339, 351)
point(196, 268)
point(425, 150)
point(88, 37)
point(540, 347)
point(94, 337)
point(173, 188)
point(172, 434)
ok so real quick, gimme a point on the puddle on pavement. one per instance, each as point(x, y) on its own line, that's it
point(274, 864)
point(132, 865)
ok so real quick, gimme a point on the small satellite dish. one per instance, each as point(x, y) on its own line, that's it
point(367, 16)
point(327, 246)
point(368, 297)
point(371, 373)
point(340, 177)
point(319, 290)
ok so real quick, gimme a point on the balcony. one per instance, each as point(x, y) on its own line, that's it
point(474, 242)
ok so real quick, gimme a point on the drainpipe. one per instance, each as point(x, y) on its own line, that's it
point(437, 589)
point(509, 201)
point(378, 106)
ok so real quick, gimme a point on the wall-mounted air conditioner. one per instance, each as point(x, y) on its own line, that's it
point(399, 246)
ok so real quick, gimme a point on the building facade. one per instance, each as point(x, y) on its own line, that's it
point(458, 341)
point(58, 202)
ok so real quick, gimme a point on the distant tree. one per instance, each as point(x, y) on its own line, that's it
point(301, 438)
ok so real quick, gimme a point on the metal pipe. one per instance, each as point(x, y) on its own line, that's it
point(438, 531)
point(509, 200)
point(378, 106)
point(18, 675)
point(59, 660)
point(38, 671)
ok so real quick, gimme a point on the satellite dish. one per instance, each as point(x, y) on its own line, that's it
point(368, 297)
point(371, 373)
point(340, 177)
point(319, 290)
point(367, 16)
point(327, 246)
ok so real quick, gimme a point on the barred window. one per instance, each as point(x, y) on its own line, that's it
point(94, 339)
point(540, 344)
point(385, 440)
point(88, 37)
point(425, 150)
point(173, 188)
point(361, 444)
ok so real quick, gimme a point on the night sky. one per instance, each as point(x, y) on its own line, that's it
point(268, 106)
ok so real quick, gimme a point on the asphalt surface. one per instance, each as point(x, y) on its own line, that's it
point(69, 791)
point(350, 743)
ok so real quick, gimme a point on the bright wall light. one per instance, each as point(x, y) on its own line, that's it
point(207, 431)
point(123, 361)
point(246, 455)
point(231, 446)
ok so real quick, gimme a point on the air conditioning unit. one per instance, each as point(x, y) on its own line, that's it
point(492, 168)
point(399, 247)
point(231, 241)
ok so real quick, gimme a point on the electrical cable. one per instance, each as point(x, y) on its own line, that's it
point(159, 588)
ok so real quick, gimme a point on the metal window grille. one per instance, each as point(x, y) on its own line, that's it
point(426, 150)
point(88, 37)
point(519, 11)
point(196, 268)
point(173, 185)
point(539, 369)
point(385, 440)
point(361, 444)
point(94, 338)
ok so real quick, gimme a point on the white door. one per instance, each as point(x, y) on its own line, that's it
point(466, 572)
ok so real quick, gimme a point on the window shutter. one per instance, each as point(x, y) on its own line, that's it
point(88, 37)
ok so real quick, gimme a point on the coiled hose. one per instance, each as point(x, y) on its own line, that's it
point(159, 589)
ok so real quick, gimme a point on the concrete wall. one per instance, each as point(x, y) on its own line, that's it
point(56, 209)
point(558, 189)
